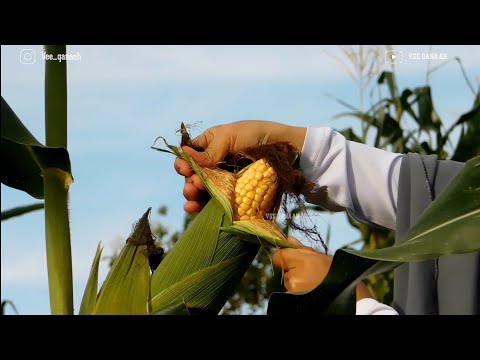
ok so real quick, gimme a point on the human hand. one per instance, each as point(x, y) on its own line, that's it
point(305, 268)
point(232, 138)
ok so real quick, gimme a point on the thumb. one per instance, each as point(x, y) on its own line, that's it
point(213, 154)
point(294, 241)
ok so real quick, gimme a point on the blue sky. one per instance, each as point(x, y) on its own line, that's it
point(120, 98)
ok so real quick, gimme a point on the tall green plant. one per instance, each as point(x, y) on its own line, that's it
point(44, 172)
point(57, 184)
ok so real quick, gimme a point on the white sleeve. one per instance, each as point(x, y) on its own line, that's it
point(369, 306)
point(358, 178)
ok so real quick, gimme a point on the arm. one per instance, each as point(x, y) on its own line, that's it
point(360, 179)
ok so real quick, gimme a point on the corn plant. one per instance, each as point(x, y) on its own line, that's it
point(198, 274)
point(400, 120)
point(386, 120)
point(6, 303)
point(44, 172)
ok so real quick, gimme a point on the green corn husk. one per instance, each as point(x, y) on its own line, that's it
point(126, 289)
point(220, 185)
point(203, 269)
point(200, 273)
point(90, 294)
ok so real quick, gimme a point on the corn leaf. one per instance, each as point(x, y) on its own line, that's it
point(427, 117)
point(193, 251)
point(24, 157)
point(175, 309)
point(389, 78)
point(230, 246)
point(259, 231)
point(449, 226)
point(208, 288)
point(126, 289)
point(468, 145)
point(90, 294)
point(20, 210)
point(224, 201)
point(5, 303)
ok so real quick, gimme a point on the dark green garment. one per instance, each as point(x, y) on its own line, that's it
point(450, 285)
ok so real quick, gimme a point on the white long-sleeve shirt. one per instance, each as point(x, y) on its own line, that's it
point(358, 178)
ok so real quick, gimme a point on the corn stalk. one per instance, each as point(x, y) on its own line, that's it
point(56, 185)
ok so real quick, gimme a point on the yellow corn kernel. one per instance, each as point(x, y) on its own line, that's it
point(247, 201)
point(255, 191)
point(260, 192)
point(244, 206)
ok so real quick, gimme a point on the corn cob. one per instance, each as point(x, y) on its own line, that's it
point(203, 268)
point(246, 197)
point(256, 191)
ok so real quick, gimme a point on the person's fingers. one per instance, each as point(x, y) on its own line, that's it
point(204, 139)
point(192, 193)
point(296, 281)
point(213, 154)
point(294, 241)
point(196, 181)
point(183, 167)
point(193, 206)
point(288, 258)
point(293, 282)
point(304, 268)
point(285, 258)
point(277, 259)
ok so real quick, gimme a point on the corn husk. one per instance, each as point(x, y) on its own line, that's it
point(200, 273)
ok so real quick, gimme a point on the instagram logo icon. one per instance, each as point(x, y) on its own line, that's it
point(28, 56)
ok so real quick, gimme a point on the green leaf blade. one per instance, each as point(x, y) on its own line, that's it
point(194, 251)
point(90, 294)
point(208, 288)
point(24, 158)
point(449, 226)
point(21, 210)
point(126, 290)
